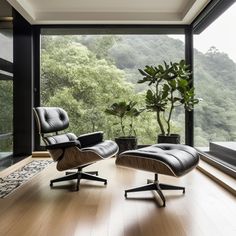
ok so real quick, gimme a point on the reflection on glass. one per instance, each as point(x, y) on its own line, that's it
point(6, 94)
point(6, 44)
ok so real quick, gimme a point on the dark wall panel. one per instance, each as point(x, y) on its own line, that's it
point(22, 88)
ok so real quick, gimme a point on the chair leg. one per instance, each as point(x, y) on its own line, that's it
point(79, 175)
point(78, 181)
point(64, 178)
point(171, 187)
point(70, 172)
point(85, 175)
point(154, 185)
point(142, 188)
point(92, 172)
point(88, 172)
point(161, 195)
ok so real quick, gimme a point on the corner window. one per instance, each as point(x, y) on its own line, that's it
point(215, 82)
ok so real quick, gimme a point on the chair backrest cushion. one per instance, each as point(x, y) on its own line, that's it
point(51, 119)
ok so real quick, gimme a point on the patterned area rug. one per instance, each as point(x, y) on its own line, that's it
point(11, 182)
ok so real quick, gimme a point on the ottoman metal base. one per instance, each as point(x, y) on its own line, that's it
point(158, 187)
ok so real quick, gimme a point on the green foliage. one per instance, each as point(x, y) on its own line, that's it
point(169, 87)
point(73, 78)
point(100, 45)
point(85, 74)
point(6, 114)
point(125, 110)
point(6, 101)
point(215, 83)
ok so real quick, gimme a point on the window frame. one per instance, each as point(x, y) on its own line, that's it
point(113, 29)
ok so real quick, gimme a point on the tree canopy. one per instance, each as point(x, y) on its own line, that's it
point(86, 74)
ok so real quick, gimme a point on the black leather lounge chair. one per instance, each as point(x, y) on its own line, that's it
point(68, 150)
point(168, 159)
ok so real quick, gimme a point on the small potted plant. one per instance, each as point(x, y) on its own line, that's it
point(126, 112)
point(169, 87)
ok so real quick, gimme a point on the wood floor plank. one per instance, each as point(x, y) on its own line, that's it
point(36, 209)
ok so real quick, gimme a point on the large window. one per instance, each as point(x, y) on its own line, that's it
point(6, 92)
point(215, 82)
point(85, 74)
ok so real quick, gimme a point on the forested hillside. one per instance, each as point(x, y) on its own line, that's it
point(131, 52)
point(214, 73)
point(215, 80)
point(77, 79)
point(85, 74)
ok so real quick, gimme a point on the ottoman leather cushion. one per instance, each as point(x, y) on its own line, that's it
point(170, 159)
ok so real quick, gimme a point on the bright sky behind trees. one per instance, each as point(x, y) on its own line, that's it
point(220, 34)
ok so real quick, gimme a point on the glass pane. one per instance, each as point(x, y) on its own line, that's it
point(6, 117)
point(85, 74)
point(6, 95)
point(6, 44)
point(6, 146)
point(6, 101)
point(215, 80)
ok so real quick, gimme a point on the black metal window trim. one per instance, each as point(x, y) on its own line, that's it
point(210, 13)
point(109, 29)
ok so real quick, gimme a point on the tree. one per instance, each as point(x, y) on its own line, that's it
point(72, 77)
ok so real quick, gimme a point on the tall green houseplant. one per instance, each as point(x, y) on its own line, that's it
point(169, 87)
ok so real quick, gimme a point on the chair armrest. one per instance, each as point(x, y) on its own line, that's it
point(90, 139)
point(64, 145)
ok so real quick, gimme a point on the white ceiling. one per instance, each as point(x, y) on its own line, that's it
point(109, 11)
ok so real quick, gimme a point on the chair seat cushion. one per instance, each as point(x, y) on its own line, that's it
point(170, 159)
point(104, 149)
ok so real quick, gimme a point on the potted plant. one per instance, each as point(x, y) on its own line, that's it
point(169, 87)
point(126, 112)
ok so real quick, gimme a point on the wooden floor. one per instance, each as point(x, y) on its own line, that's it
point(35, 209)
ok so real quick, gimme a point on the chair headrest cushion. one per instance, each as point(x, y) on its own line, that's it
point(51, 119)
